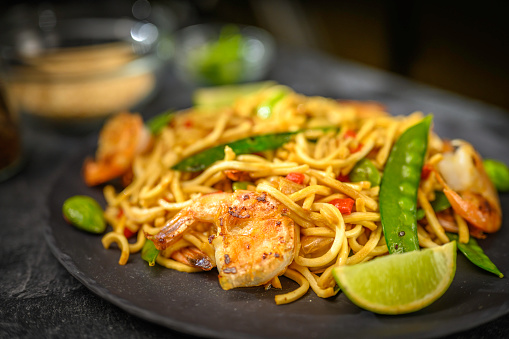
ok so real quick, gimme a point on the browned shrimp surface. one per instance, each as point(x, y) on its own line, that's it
point(469, 189)
point(254, 239)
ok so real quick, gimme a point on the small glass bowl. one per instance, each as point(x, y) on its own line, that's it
point(76, 68)
point(220, 54)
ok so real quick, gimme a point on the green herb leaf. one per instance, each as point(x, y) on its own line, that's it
point(476, 255)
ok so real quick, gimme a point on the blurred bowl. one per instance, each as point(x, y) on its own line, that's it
point(69, 67)
point(220, 54)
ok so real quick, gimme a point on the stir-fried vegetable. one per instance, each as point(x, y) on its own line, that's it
point(149, 252)
point(398, 189)
point(441, 203)
point(248, 145)
point(365, 170)
point(85, 213)
point(476, 255)
point(158, 122)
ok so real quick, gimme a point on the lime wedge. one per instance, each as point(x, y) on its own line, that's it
point(220, 96)
point(399, 283)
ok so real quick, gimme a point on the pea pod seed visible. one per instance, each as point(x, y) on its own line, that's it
point(398, 189)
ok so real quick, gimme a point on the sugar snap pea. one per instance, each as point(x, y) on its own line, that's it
point(365, 170)
point(398, 188)
point(85, 213)
point(259, 143)
point(476, 255)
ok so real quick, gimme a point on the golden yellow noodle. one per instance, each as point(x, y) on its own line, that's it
point(324, 237)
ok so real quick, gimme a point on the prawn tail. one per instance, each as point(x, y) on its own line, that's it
point(96, 173)
point(476, 210)
point(172, 232)
point(192, 256)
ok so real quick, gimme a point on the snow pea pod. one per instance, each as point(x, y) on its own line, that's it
point(85, 213)
point(254, 144)
point(398, 189)
point(476, 255)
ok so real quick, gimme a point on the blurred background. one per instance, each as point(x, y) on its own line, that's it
point(462, 47)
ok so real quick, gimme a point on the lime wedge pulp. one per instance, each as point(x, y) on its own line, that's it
point(399, 283)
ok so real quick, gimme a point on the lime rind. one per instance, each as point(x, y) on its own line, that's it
point(399, 283)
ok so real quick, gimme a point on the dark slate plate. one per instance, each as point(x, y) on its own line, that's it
point(195, 304)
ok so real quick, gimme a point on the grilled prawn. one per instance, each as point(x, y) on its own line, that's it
point(254, 239)
point(121, 139)
point(469, 189)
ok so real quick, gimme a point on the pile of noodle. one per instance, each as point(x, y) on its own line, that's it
point(324, 237)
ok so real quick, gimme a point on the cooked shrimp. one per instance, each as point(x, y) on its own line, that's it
point(469, 189)
point(122, 137)
point(254, 240)
point(192, 256)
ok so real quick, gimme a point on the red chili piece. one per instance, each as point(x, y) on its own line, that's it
point(426, 171)
point(128, 233)
point(350, 134)
point(296, 177)
point(356, 149)
point(343, 178)
point(345, 205)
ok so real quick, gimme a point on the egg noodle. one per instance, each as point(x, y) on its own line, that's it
point(324, 237)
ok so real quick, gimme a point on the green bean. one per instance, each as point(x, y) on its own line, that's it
point(85, 213)
point(398, 189)
point(149, 252)
point(498, 173)
point(476, 255)
point(365, 170)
